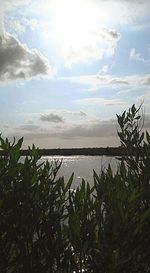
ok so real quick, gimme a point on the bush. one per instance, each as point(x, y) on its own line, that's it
point(32, 212)
point(46, 227)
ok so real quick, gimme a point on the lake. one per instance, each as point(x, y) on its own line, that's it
point(82, 166)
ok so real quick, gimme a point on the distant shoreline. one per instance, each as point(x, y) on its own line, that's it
point(110, 151)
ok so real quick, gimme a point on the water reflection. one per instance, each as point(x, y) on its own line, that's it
point(82, 166)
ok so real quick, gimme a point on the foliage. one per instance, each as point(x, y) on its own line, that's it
point(45, 226)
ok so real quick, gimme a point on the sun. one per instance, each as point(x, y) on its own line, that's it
point(73, 22)
point(74, 28)
point(78, 30)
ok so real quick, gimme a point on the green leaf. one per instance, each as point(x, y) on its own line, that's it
point(69, 183)
point(145, 215)
point(133, 109)
point(74, 223)
point(148, 137)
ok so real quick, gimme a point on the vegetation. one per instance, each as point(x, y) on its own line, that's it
point(47, 227)
point(110, 151)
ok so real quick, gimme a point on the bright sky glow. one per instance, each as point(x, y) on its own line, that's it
point(77, 29)
point(74, 26)
point(68, 66)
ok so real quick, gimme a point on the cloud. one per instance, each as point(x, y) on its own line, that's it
point(112, 34)
point(79, 31)
point(99, 101)
point(93, 129)
point(81, 113)
point(101, 131)
point(75, 113)
point(16, 26)
point(98, 129)
point(28, 127)
point(10, 4)
point(19, 27)
point(117, 81)
point(100, 43)
point(104, 69)
point(17, 61)
point(136, 56)
point(109, 11)
point(146, 80)
point(31, 23)
point(52, 118)
point(99, 81)
point(139, 27)
point(90, 134)
point(145, 99)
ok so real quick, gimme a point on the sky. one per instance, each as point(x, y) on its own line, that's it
point(67, 67)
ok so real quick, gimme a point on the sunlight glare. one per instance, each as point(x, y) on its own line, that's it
point(73, 23)
point(74, 26)
point(79, 30)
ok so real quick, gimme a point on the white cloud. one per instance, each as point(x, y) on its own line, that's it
point(99, 81)
point(17, 61)
point(10, 4)
point(145, 99)
point(104, 69)
point(98, 44)
point(78, 29)
point(84, 30)
point(81, 114)
point(139, 27)
point(72, 113)
point(99, 101)
point(136, 56)
point(31, 23)
point(111, 12)
point(16, 26)
point(92, 80)
point(19, 27)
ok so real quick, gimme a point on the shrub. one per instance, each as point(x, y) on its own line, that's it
point(32, 212)
point(47, 227)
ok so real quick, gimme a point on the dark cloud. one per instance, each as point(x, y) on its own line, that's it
point(17, 61)
point(113, 34)
point(82, 114)
point(52, 118)
point(96, 129)
point(103, 132)
point(28, 127)
point(99, 129)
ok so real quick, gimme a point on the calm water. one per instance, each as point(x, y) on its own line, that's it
point(82, 166)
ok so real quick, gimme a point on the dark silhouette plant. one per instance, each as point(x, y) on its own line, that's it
point(32, 212)
point(45, 226)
